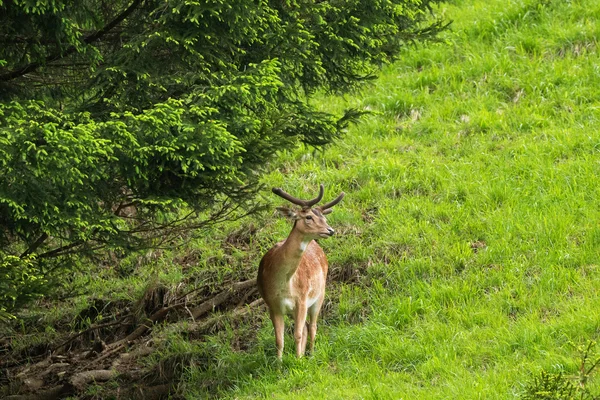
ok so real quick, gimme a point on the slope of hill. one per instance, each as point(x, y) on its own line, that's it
point(467, 255)
point(471, 220)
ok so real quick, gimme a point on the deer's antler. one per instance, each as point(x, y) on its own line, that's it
point(303, 203)
point(326, 208)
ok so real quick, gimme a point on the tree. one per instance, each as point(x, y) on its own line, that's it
point(124, 122)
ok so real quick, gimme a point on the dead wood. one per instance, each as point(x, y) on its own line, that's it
point(91, 328)
point(152, 392)
point(90, 370)
point(22, 361)
point(202, 326)
point(212, 303)
point(161, 314)
point(244, 299)
point(196, 312)
point(128, 357)
point(77, 382)
point(114, 349)
point(81, 379)
point(54, 393)
point(156, 317)
point(45, 363)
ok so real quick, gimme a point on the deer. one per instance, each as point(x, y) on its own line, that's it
point(292, 274)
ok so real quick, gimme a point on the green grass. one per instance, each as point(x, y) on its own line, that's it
point(470, 222)
point(471, 214)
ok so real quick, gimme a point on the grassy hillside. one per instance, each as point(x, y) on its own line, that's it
point(471, 218)
point(467, 254)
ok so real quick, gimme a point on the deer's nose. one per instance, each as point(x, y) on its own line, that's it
point(330, 231)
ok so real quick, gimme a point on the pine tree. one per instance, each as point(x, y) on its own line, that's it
point(123, 122)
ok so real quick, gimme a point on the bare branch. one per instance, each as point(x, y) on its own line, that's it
point(91, 328)
point(61, 250)
point(35, 245)
point(210, 304)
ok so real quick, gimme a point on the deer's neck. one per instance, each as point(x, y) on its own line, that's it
point(292, 251)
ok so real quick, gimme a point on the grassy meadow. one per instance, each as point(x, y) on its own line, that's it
point(467, 249)
point(470, 223)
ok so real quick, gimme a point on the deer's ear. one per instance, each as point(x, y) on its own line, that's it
point(288, 213)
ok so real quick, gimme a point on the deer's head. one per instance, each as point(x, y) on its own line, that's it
point(309, 220)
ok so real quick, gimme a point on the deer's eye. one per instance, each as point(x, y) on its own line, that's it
point(309, 217)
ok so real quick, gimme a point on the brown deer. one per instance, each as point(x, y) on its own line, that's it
point(292, 274)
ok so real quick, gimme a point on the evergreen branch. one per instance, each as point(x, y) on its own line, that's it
point(57, 56)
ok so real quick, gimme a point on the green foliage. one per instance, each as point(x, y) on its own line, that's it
point(20, 281)
point(547, 386)
point(123, 124)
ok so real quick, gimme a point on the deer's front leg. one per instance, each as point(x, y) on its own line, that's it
point(299, 328)
point(278, 324)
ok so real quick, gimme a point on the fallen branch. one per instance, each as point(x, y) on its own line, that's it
point(197, 312)
point(6, 364)
point(82, 379)
point(91, 328)
point(153, 392)
point(54, 393)
point(110, 351)
point(248, 294)
point(77, 382)
point(156, 317)
point(210, 304)
point(237, 313)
